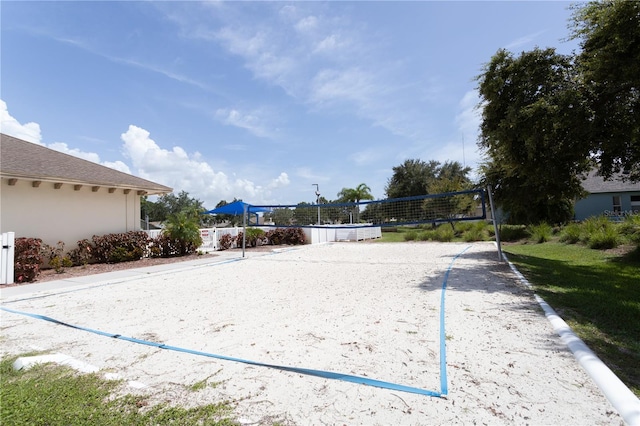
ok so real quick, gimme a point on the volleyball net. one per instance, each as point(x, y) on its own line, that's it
point(431, 208)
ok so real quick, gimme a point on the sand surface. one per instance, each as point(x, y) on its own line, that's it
point(364, 309)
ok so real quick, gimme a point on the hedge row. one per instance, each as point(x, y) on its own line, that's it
point(31, 255)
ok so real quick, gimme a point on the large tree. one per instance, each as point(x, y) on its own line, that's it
point(171, 204)
point(411, 178)
point(534, 134)
point(609, 66)
point(416, 177)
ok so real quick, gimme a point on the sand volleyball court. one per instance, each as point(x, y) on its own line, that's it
point(371, 310)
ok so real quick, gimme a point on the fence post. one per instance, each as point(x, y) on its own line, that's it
point(7, 257)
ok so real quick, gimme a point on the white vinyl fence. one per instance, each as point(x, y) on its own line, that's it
point(210, 236)
point(7, 257)
point(313, 235)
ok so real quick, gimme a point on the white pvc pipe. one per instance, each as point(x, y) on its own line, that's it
point(618, 394)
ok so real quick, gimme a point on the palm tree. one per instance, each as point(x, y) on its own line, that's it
point(355, 195)
point(183, 228)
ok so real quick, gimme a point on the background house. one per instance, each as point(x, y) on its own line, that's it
point(57, 197)
point(612, 198)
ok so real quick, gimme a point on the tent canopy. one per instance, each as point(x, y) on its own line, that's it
point(236, 208)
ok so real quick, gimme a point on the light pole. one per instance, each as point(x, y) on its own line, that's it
point(317, 199)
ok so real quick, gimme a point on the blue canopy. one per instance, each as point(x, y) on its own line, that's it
point(236, 208)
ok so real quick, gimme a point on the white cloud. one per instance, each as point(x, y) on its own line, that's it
point(10, 126)
point(63, 147)
point(469, 116)
point(251, 121)
point(367, 156)
point(30, 132)
point(280, 181)
point(117, 165)
point(468, 121)
point(525, 40)
point(184, 172)
point(330, 85)
point(307, 24)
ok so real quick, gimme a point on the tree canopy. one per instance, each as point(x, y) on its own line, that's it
point(533, 133)
point(416, 177)
point(548, 118)
point(609, 67)
point(171, 204)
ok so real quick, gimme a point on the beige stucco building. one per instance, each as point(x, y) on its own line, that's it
point(57, 197)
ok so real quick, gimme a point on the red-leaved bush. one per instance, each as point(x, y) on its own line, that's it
point(28, 259)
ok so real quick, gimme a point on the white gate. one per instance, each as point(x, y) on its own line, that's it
point(7, 257)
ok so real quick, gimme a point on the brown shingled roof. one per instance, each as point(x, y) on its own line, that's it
point(20, 159)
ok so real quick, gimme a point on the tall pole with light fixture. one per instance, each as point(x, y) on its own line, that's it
point(317, 199)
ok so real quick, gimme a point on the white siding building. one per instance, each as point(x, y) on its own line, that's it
point(57, 197)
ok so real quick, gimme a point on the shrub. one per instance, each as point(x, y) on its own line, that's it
point(294, 236)
point(55, 257)
point(443, 233)
point(592, 225)
point(113, 248)
point(410, 235)
point(605, 238)
point(255, 236)
point(275, 236)
point(540, 233)
point(425, 236)
point(83, 254)
point(600, 233)
point(476, 231)
point(225, 242)
point(630, 228)
point(462, 227)
point(571, 233)
point(27, 259)
point(512, 232)
point(184, 229)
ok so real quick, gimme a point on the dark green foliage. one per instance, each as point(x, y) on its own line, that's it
point(533, 133)
point(630, 229)
point(512, 232)
point(255, 236)
point(122, 247)
point(540, 233)
point(609, 34)
point(416, 177)
point(184, 232)
point(547, 118)
point(571, 234)
point(27, 259)
point(166, 246)
point(171, 204)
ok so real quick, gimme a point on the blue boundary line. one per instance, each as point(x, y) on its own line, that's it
point(306, 371)
point(444, 390)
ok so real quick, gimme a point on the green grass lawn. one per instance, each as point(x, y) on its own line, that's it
point(53, 395)
point(596, 292)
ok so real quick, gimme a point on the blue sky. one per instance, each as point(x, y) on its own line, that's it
point(259, 100)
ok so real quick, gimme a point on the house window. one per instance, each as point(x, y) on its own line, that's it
point(617, 204)
point(635, 204)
